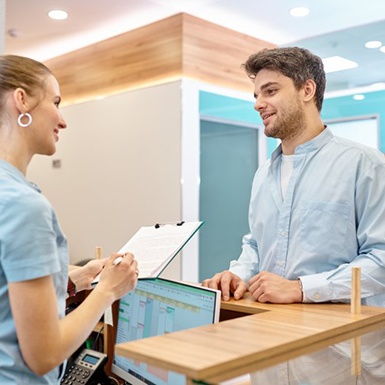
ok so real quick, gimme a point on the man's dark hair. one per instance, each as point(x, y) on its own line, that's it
point(298, 64)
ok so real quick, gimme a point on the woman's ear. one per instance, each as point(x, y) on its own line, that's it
point(20, 98)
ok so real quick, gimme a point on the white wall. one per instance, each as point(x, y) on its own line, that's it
point(364, 130)
point(120, 169)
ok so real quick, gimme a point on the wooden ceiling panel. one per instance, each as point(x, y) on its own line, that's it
point(173, 48)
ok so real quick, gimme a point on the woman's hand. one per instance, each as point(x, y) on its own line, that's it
point(119, 278)
point(83, 276)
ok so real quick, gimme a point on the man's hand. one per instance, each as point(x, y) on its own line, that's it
point(269, 287)
point(228, 283)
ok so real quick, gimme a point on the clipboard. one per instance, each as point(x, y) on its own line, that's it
point(154, 247)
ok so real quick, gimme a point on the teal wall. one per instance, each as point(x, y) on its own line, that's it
point(224, 107)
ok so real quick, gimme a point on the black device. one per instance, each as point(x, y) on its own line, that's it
point(86, 369)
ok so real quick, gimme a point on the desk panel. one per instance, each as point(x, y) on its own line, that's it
point(271, 334)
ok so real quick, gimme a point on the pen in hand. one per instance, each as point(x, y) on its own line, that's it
point(118, 260)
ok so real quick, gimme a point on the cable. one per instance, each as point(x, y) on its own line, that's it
point(113, 381)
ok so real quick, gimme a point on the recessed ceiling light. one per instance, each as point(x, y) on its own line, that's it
point(373, 44)
point(299, 11)
point(338, 63)
point(382, 49)
point(359, 97)
point(58, 14)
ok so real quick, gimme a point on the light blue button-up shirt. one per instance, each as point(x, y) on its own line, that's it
point(332, 217)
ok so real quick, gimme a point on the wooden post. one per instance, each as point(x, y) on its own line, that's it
point(355, 308)
point(356, 356)
point(355, 304)
point(98, 252)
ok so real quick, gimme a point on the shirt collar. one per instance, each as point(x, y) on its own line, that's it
point(312, 145)
point(16, 174)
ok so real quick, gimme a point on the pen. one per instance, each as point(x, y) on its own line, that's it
point(118, 260)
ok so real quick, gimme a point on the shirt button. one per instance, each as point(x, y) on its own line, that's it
point(317, 296)
point(283, 233)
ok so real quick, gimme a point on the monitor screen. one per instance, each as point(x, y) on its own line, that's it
point(158, 307)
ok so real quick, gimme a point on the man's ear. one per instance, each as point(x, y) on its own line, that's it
point(309, 90)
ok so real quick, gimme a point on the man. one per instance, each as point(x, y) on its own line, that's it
point(317, 207)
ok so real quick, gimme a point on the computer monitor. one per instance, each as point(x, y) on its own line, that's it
point(158, 307)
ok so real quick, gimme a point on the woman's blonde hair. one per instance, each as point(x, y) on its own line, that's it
point(18, 71)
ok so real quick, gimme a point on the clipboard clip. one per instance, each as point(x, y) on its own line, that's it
point(157, 225)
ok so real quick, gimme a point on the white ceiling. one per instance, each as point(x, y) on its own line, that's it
point(332, 27)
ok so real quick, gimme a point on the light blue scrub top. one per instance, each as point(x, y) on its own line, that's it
point(31, 246)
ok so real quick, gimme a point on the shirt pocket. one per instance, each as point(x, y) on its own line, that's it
point(324, 227)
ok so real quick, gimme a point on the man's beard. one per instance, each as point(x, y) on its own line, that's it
point(290, 124)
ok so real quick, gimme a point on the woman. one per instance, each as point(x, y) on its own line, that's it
point(35, 336)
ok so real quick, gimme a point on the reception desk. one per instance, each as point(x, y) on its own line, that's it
point(253, 337)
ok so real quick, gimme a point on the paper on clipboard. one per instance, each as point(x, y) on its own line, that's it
point(154, 247)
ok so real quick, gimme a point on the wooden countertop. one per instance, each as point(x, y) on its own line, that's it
point(266, 335)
